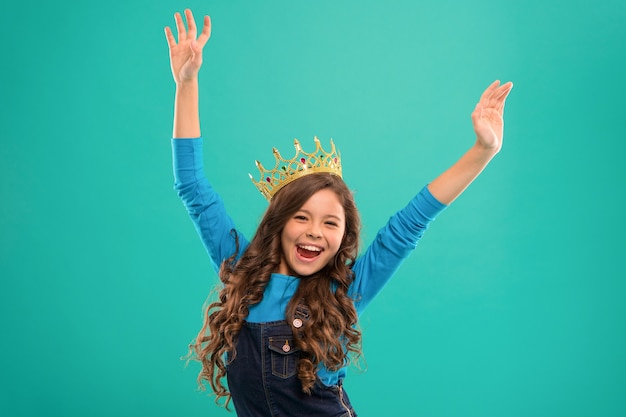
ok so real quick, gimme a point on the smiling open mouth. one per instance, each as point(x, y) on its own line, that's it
point(308, 252)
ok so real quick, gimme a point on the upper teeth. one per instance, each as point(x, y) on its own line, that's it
point(311, 248)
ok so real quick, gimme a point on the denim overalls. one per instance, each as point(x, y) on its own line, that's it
point(263, 379)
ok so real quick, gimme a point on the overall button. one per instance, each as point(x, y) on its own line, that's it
point(286, 347)
point(297, 323)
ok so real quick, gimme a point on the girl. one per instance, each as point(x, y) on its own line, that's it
point(284, 325)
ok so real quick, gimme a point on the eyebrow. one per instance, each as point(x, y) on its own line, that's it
point(334, 216)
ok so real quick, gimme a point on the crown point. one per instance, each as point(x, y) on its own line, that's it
point(303, 163)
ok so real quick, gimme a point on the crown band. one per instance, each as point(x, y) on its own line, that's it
point(303, 163)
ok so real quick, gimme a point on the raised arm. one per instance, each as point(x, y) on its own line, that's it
point(489, 127)
point(205, 207)
point(186, 60)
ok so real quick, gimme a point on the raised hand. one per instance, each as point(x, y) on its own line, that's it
point(489, 127)
point(487, 116)
point(186, 55)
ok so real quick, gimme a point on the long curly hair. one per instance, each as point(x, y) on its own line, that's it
point(330, 335)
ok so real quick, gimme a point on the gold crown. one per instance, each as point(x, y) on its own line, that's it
point(303, 163)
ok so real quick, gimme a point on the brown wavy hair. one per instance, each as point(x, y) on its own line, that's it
point(330, 335)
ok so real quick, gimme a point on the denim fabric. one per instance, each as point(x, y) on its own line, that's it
point(263, 381)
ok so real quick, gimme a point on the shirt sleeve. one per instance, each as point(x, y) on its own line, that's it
point(393, 243)
point(205, 207)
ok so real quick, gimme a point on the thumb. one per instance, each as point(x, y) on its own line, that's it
point(478, 110)
point(196, 53)
point(195, 49)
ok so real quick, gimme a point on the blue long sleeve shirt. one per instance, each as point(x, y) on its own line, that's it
point(372, 269)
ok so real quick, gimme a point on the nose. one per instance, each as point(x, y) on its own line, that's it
point(314, 232)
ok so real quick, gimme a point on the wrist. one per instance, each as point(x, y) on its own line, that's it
point(187, 84)
point(483, 150)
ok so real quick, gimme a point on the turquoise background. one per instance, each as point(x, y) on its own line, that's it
point(514, 302)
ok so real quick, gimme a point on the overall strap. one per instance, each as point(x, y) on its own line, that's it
point(301, 317)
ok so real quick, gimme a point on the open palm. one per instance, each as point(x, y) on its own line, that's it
point(487, 116)
point(186, 54)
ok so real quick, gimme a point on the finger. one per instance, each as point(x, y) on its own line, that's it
point(182, 33)
point(191, 24)
point(206, 32)
point(496, 95)
point(502, 94)
point(171, 41)
point(489, 91)
point(503, 90)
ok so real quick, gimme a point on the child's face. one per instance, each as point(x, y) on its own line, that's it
point(313, 235)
